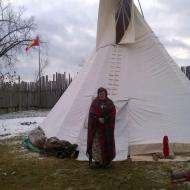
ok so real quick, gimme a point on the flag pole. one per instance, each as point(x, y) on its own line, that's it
point(39, 62)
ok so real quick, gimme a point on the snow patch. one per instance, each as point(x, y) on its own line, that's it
point(14, 127)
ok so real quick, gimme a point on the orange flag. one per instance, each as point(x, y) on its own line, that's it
point(35, 42)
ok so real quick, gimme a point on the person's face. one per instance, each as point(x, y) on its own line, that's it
point(102, 95)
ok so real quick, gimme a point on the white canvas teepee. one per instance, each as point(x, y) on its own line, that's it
point(150, 92)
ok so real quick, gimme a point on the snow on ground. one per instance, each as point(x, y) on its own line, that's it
point(22, 114)
point(19, 123)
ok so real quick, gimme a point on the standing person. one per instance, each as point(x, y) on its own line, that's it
point(101, 124)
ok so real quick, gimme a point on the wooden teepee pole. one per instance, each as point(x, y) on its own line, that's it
point(141, 8)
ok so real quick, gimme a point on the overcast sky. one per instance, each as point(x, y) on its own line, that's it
point(69, 28)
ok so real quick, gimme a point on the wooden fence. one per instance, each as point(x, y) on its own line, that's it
point(42, 94)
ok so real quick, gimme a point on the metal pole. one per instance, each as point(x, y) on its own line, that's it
point(39, 62)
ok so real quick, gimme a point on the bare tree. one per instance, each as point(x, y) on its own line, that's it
point(15, 33)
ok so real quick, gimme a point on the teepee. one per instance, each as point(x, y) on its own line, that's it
point(151, 94)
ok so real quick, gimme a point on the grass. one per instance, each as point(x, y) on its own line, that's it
point(22, 170)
